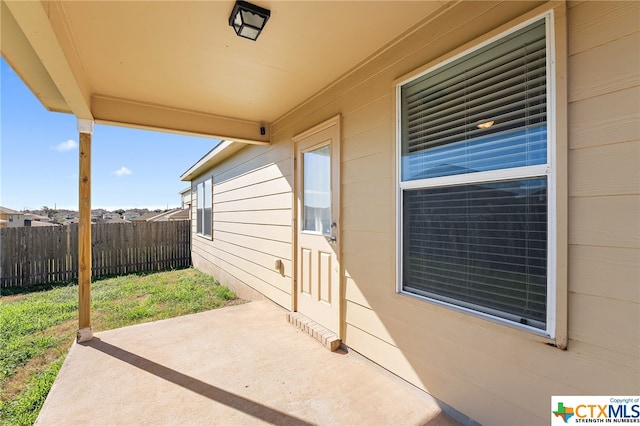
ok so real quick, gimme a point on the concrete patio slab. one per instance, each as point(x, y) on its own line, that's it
point(238, 365)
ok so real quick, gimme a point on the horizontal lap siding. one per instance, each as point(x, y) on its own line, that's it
point(473, 364)
point(270, 202)
point(252, 213)
point(438, 347)
point(604, 120)
point(590, 266)
point(604, 188)
point(621, 161)
point(470, 363)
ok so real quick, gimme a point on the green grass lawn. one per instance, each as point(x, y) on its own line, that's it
point(37, 328)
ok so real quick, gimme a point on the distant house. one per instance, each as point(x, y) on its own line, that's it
point(36, 220)
point(63, 217)
point(181, 214)
point(147, 217)
point(36, 217)
point(185, 198)
point(10, 218)
point(130, 215)
point(111, 216)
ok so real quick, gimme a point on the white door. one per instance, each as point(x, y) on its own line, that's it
point(318, 283)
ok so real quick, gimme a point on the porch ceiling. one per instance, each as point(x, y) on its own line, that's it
point(178, 66)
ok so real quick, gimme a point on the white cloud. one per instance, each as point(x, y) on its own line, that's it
point(65, 146)
point(122, 171)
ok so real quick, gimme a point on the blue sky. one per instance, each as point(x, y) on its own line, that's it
point(39, 158)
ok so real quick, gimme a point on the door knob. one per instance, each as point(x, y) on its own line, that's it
point(333, 239)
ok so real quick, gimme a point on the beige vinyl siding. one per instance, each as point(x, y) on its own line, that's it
point(470, 363)
point(493, 373)
point(252, 222)
point(604, 183)
point(607, 119)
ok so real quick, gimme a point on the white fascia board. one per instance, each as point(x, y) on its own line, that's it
point(223, 150)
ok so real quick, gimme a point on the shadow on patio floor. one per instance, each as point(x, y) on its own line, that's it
point(214, 393)
point(238, 365)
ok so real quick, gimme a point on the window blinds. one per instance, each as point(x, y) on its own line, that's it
point(200, 205)
point(481, 246)
point(207, 204)
point(503, 83)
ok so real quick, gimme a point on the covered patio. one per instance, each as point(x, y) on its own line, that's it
point(238, 365)
point(179, 67)
point(117, 63)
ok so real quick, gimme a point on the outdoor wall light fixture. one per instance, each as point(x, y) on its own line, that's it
point(248, 20)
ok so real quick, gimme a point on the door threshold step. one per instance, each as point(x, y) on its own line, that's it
point(327, 338)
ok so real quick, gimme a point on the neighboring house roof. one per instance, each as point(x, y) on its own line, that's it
point(146, 217)
point(183, 214)
point(40, 224)
point(37, 217)
point(165, 215)
point(8, 210)
point(161, 216)
point(66, 215)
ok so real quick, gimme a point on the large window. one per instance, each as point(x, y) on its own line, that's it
point(204, 201)
point(475, 173)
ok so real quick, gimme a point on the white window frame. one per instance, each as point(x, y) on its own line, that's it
point(203, 234)
point(549, 170)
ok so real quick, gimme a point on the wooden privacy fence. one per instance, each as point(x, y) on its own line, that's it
point(32, 256)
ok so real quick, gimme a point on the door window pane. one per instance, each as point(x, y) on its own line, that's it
point(317, 190)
